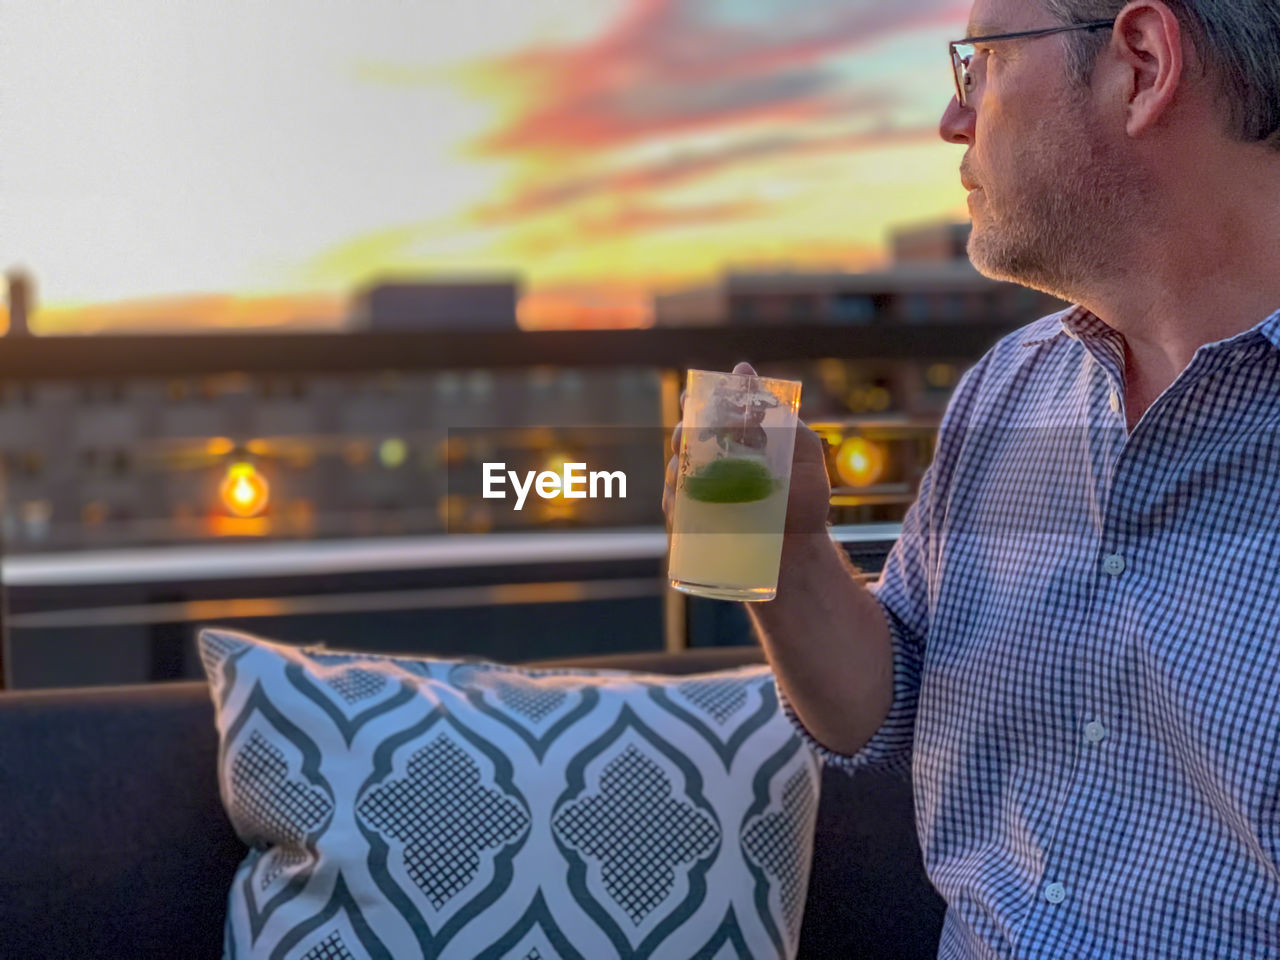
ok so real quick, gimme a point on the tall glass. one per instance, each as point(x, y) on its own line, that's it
point(731, 489)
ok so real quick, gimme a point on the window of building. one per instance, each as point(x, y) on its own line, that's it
point(915, 307)
point(852, 308)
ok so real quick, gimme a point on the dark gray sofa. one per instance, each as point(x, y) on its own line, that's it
point(114, 844)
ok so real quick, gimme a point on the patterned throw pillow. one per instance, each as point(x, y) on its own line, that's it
point(407, 808)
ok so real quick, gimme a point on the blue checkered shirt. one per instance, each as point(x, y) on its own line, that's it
point(1086, 635)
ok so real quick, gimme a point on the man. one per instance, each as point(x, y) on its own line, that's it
point(1075, 643)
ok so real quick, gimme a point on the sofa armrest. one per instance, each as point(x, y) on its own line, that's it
point(114, 840)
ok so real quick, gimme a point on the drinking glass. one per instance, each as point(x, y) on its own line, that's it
point(736, 442)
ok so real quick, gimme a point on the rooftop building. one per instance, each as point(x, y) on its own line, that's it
point(475, 304)
point(931, 280)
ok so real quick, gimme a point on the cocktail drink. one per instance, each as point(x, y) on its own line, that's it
point(731, 489)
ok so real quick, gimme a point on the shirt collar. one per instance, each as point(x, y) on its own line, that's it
point(1080, 324)
point(1270, 329)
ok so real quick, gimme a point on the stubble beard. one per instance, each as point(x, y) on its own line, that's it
point(1060, 222)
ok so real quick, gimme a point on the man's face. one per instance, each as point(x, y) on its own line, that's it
point(1046, 182)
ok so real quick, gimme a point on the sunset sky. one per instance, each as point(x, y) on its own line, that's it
point(181, 164)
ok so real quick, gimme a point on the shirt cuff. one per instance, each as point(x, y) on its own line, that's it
point(889, 748)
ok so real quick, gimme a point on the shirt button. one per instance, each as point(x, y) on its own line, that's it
point(1094, 732)
point(1055, 893)
point(1113, 563)
point(1115, 402)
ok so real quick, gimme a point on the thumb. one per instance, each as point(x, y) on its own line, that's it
point(745, 369)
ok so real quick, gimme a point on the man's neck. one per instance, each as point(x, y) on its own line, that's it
point(1199, 264)
point(1163, 335)
point(1204, 285)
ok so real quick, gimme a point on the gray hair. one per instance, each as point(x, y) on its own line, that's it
point(1238, 40)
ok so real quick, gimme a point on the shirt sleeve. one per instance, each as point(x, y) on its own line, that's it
point(903, 592)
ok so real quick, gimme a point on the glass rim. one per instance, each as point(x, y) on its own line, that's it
point(742, 376)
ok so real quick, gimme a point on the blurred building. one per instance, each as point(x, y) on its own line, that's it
point(931, 279)
point(148, 461)
point(156, 460)
point(477, 304)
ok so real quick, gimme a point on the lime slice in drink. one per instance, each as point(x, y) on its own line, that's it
point(730, 480)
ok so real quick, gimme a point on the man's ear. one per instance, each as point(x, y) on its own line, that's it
point(1148, 63)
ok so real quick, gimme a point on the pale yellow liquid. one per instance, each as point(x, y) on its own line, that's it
point(728, 550)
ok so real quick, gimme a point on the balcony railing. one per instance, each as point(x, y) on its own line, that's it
point(127, 356)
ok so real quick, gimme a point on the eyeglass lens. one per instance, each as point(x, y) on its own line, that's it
point(961, 59)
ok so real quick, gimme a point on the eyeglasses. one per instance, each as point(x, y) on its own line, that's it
point(962, 51)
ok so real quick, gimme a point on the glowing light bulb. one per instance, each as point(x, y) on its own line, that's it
point(245, 492)
point(859, 462)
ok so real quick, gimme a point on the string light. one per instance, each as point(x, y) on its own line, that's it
point(860, 462)
point(245, 492)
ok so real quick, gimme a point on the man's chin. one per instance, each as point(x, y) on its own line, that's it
point(1041, 282)
point(1003, 262)
point(987, 258)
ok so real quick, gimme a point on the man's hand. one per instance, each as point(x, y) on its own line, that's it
point(808, 501)
point(825, 635)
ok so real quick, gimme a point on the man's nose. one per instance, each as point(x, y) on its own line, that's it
point(957, 122)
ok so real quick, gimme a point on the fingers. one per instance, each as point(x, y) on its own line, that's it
point(675, 437)
point(809, 444)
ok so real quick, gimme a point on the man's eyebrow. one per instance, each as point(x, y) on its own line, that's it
point(981, 30)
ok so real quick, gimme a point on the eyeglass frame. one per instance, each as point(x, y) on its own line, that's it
point(960, 66)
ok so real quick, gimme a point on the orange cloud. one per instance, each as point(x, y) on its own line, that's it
point(184, 314)
point(689, 166)
point(632, 218)
point(673, 65)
